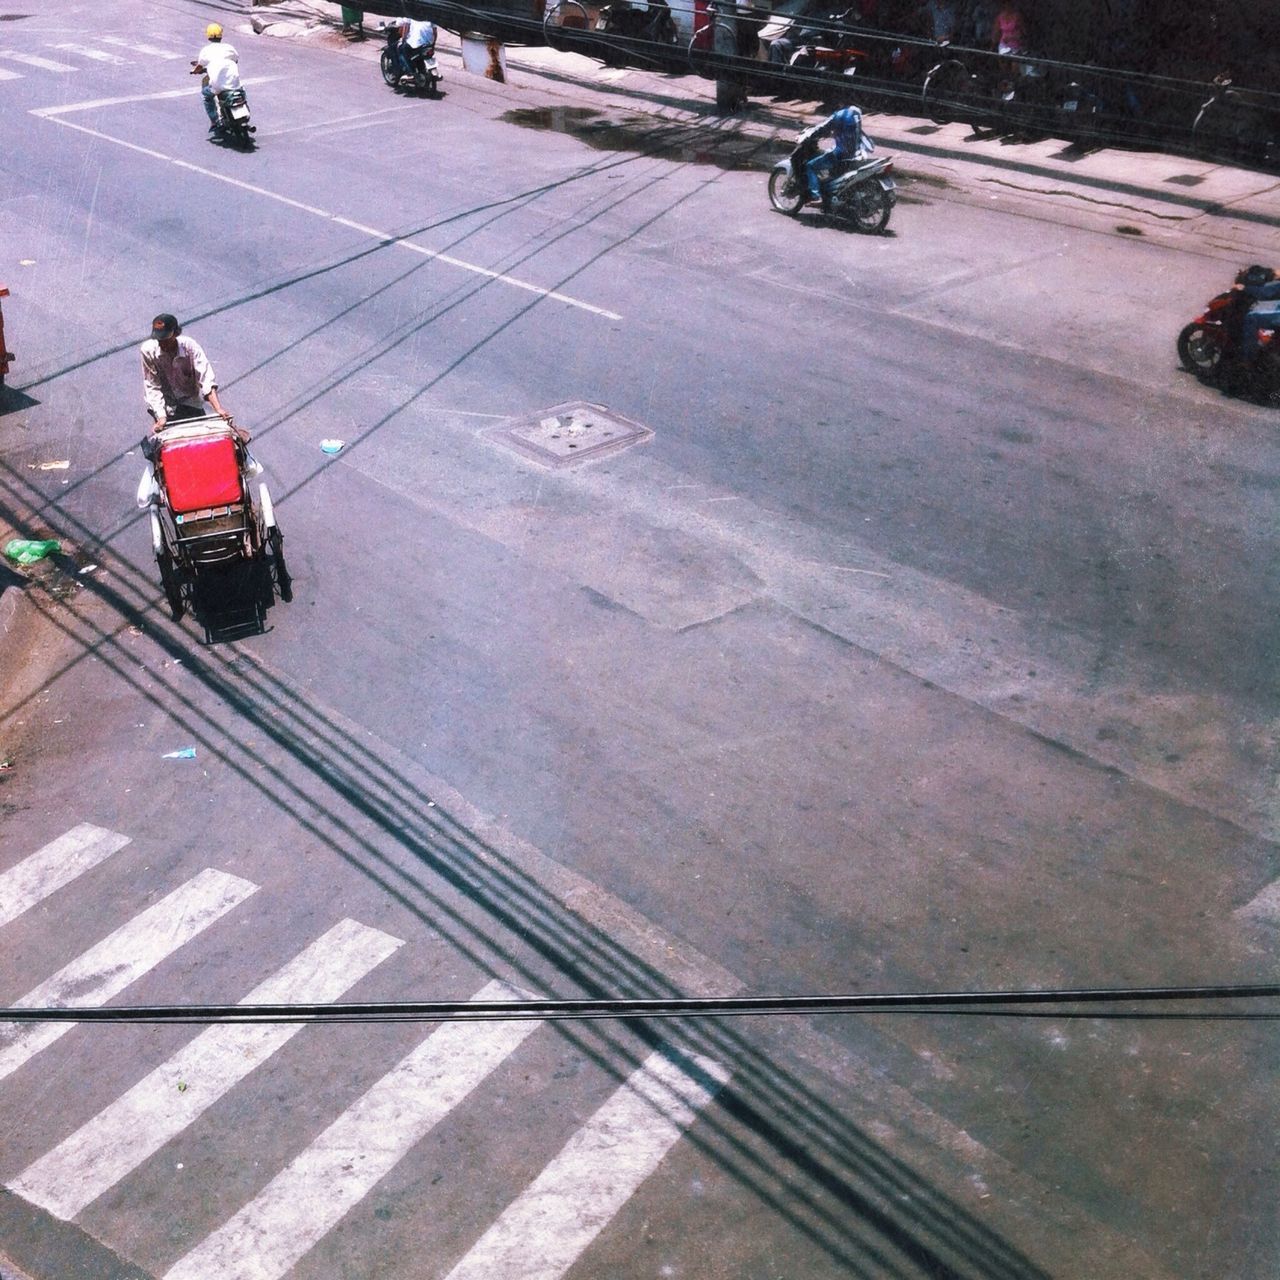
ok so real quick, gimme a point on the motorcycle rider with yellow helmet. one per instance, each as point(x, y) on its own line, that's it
point(218, 63)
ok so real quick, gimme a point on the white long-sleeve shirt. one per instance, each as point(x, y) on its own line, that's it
point(221, 64)
point(185, 377)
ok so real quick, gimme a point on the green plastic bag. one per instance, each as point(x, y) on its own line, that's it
point(28, 551)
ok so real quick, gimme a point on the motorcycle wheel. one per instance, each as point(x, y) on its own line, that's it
point(869, 208)
point(1200, 350)
point(390, 73)
point(785, 193)
point(944, 84)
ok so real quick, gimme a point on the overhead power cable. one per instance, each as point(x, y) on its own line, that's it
point(1062, 1003)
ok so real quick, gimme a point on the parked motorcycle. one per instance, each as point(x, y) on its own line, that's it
point(424, 76)
point(861, 191)
point(652, 22)
point(827, 47)
point(233, 114)
point(1209, 346)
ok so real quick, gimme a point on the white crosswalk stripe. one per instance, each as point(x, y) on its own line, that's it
point(55, 865)
point(151, 50)
point(307, 1199)
point(96, 55)
point(120, 1137)
point(34, 60)
point(542, 1233)
point(107, 968)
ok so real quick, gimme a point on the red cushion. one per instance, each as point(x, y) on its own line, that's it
point(201, 473)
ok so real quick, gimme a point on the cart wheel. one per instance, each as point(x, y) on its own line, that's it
point(568, 15)
point(171, 583)
point(284, 583)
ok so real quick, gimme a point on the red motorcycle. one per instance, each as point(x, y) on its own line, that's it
point(1209, 346)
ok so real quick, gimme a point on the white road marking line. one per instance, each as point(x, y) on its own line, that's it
point(10, 75)
point(52, 113)
point(542, 1233)
point(112, 964)
point(138, 1123)
point(32, 60)
point(150, 49)
point(97, 55)
point(45, 113)
point(57, 864)
point(309, 1197)
point(322, 126)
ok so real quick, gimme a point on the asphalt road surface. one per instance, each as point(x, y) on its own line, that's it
point(912, 628)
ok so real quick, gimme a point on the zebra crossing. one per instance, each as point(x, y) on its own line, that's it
point(537, 1236)
point(63, 57)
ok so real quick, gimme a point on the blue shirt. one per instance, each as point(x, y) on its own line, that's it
point(846, 127)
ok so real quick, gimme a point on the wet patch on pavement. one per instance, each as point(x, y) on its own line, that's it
point(685, 143)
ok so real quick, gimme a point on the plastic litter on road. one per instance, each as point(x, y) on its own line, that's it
point(333, 446)
point(29, 550)
point(187, 753)
point(48, 466)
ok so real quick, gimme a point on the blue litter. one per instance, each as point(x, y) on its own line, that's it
point(333, 446)
point(187, 753)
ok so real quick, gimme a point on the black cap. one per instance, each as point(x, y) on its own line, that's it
point(165, 326)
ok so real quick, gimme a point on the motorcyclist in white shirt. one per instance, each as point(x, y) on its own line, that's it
point(414, 35)
point(219, 64)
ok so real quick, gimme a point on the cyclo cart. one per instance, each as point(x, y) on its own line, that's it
point(205, 523)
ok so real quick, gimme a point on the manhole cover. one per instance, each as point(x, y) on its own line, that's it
point(571, 433)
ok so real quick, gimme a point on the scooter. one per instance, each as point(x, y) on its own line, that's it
point(861, 191)
point(425, 74)
point(233, 111)
point(827, 48)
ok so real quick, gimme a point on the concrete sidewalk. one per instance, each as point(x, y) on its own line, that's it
point(1231, 210)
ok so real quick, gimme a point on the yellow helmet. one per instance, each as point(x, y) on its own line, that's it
point(213, 31)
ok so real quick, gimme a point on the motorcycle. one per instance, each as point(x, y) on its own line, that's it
point(825, 47)
point(424, 76)
point(233, 111)
point(1209, 346)
point(861, 191)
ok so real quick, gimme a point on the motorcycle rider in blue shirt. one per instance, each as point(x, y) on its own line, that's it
point(845, 126)
point(1261, 288)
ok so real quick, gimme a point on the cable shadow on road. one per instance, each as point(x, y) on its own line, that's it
point(870, 1213)
point(773, 1132)
point(42, 506)
point(495, 210)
